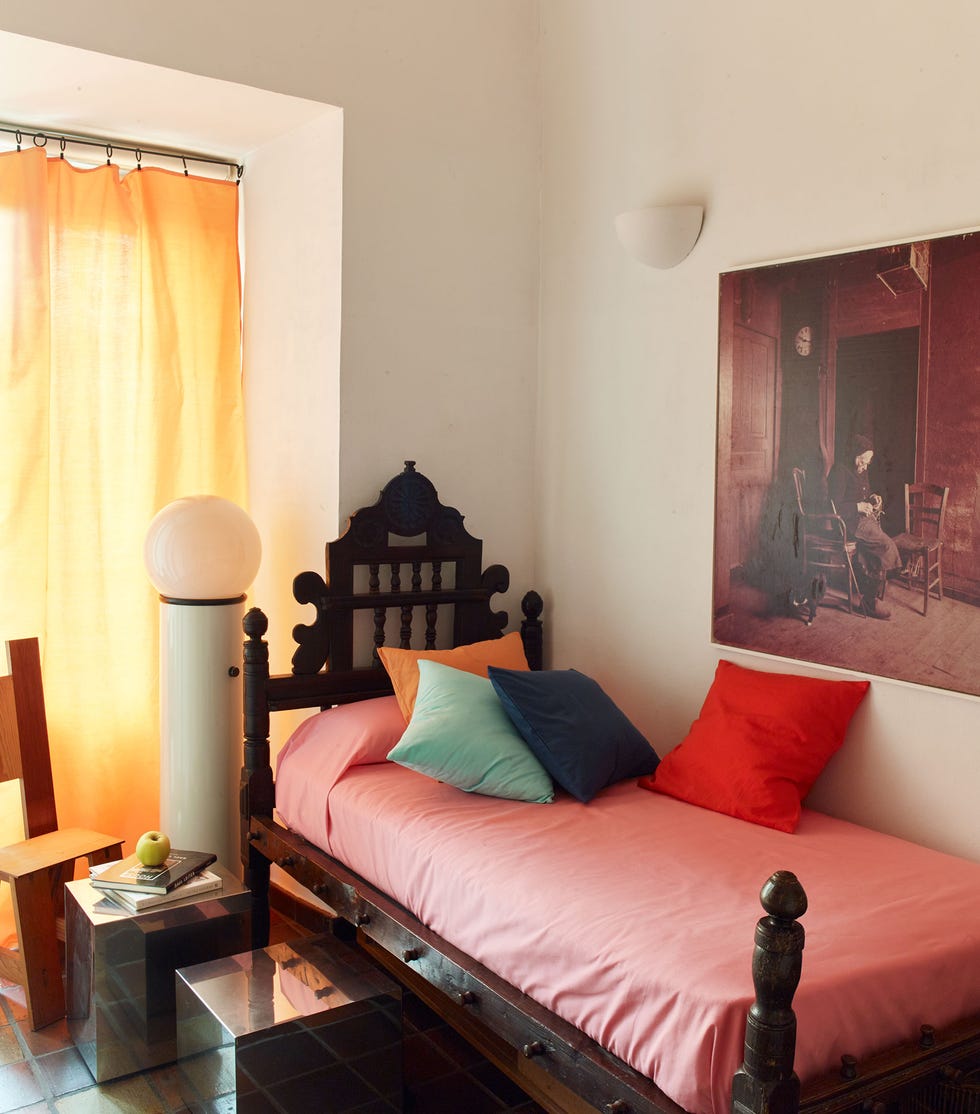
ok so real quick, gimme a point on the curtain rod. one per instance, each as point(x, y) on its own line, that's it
point(40, 138)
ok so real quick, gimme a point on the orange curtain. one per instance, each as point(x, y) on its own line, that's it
point(120, 366)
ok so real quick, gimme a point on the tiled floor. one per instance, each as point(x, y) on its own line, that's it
point(444, 1075)
point(42, 1072)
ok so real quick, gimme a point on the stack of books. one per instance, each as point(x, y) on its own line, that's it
point(135, 887)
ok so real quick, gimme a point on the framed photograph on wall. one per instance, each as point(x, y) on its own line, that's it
point(847, 516)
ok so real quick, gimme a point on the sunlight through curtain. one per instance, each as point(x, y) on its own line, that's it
point(120, 366)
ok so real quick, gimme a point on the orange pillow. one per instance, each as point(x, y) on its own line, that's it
point(403, 669)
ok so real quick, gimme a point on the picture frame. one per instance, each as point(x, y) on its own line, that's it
point(876, 347)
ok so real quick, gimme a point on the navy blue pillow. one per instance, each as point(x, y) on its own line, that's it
point(574, 730)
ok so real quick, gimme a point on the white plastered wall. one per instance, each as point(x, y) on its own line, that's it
point(292, 247)
point(800, 132)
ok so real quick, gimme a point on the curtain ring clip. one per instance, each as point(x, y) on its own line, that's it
point(42, 137)
point(139, 158)
point(108, 154)
point(62, 143)
point(19, 138)
point(184, 161)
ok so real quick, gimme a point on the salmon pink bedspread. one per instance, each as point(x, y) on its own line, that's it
point(632, 917)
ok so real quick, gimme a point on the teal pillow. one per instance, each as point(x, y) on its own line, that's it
point(460, 734)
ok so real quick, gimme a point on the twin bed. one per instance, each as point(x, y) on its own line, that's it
point(593, 940)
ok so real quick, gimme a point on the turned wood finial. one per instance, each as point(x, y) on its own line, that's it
point(532, 605)
point(255, 623)
point(783, 897)
point(776, 965)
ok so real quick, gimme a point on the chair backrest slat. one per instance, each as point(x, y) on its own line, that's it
point(925, 510)
point(9, 741)
point(24, 749)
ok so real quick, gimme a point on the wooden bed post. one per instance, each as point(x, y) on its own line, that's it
point(766, 1082)
point(257, 795)
point(532, 606)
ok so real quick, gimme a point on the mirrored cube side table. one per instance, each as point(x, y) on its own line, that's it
point(120, 986)
point(308, 1025)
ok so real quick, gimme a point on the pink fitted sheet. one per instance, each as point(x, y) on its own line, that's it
point(632, 917)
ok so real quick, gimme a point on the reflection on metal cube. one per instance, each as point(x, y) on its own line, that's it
point(309, 1025)
point(120, 988)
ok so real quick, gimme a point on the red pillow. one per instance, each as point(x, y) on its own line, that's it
point(759, 744)
point(821, 709)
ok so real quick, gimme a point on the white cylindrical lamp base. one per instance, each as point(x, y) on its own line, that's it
point(200, 726)
point(201, 552)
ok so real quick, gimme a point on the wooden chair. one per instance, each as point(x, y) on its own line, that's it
point(826, 548)
point(921, 546)
point(38, 867)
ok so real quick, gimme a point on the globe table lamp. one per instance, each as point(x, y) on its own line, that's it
point(201, 553)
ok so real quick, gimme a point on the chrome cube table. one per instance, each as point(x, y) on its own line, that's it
point(308, 1025)
point(120, 986)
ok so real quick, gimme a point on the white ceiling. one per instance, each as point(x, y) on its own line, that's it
point(60, 88)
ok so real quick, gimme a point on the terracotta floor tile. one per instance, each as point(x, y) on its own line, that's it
point(132, 1095)
point(52, 1038)
point(64, 1071)
point(18, 1087)
point(10, 1049)
point(166, 1081)
point(14, 1001)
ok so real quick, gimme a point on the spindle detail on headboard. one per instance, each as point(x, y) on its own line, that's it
point(410, 554)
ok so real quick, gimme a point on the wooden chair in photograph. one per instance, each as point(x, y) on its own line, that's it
point(826, 548)
point(921, 546)
point(38, 867)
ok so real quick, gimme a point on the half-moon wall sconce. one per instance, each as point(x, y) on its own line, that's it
point(660, 235)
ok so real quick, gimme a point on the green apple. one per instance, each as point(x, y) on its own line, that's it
point(152, 848)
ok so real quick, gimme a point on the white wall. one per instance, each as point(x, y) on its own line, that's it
point(291, 354)
point(800, 132)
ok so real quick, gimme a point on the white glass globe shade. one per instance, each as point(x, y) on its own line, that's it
point(202, 548)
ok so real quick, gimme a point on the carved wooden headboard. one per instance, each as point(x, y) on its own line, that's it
point(408, 556)
point(407, 552)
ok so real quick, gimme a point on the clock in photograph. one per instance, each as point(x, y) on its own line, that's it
point(803, 341)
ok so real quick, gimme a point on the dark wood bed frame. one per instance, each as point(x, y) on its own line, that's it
point(432, 568)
